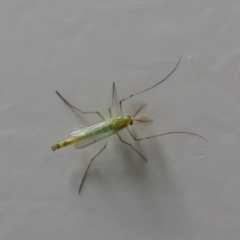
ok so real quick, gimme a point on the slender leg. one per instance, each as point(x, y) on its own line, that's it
point(85, 174)
point(113, 96)
point(130, 145)
point(162, 134)
point(77, 109)
point(149, 87)
point(139, 139)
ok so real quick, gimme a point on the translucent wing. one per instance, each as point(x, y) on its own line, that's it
point(95, 136)
point(84, 129)
point(89, 141)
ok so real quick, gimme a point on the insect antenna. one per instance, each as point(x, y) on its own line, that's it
point(141, 118)
point(139, 110)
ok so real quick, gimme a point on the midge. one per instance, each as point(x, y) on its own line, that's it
point(89, 134)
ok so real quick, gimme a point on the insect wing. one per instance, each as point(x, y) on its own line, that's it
point(94, 138)
point(89, 141)
point(82, 130)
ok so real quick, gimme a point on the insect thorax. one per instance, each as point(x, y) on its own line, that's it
point(118, 123)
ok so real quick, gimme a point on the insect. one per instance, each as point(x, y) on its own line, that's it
point(89, 134)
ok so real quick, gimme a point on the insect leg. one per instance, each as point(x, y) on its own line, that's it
point(77, 109)
point(85, 174)
point(130, 145)
point(120, 103)
point(113, 96)
point(162, 134)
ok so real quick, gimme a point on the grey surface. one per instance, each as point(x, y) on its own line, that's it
point(188, 189)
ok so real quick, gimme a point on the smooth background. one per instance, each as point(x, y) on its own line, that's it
point(188, 189)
